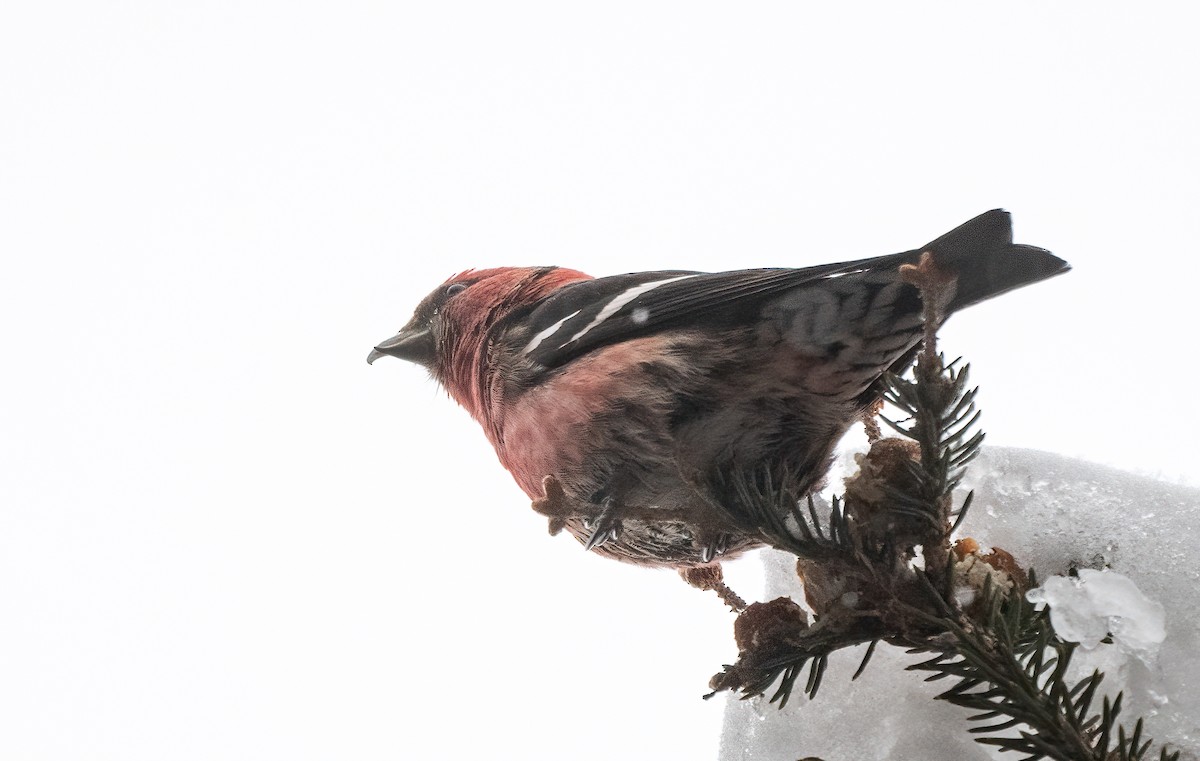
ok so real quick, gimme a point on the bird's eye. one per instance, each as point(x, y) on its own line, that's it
point(455, 288)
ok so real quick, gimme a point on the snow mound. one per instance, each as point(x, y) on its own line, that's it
point(1055, 515)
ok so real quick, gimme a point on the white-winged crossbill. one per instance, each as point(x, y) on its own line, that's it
point(648, 397)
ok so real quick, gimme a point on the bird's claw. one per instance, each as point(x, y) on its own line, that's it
point(605, 527)
point(714, 547)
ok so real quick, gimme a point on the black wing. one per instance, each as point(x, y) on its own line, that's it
point(585, 316)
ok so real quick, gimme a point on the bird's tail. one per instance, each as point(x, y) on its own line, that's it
point(987, 262)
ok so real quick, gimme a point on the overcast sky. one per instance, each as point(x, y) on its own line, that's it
point(223, 535)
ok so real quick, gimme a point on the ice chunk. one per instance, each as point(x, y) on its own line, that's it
point(1088, 608)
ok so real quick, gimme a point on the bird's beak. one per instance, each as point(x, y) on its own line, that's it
point(413, 344)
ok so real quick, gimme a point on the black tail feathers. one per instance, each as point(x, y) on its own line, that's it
point(987, 262)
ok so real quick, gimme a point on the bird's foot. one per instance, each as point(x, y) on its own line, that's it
point(712, 547)
point(603, 520)
point(606, 526)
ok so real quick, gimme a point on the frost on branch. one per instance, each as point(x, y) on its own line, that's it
point(881, 567)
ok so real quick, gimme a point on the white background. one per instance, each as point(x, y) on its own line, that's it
point(222, 535)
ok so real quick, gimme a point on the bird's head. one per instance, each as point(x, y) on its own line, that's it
point(452, 326)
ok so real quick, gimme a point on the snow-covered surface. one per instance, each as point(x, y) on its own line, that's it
point(1052, 513)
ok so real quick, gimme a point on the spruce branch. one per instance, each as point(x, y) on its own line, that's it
point(1012, 668)
point(1007, 664)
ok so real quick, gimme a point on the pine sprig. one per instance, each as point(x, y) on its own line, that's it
point(782, 662)
point(774, 512)
point(943, 414)
point(1011, 667)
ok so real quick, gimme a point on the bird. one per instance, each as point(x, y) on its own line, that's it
point(630, 407)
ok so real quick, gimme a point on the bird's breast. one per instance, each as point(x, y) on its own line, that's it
point(608, 407)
